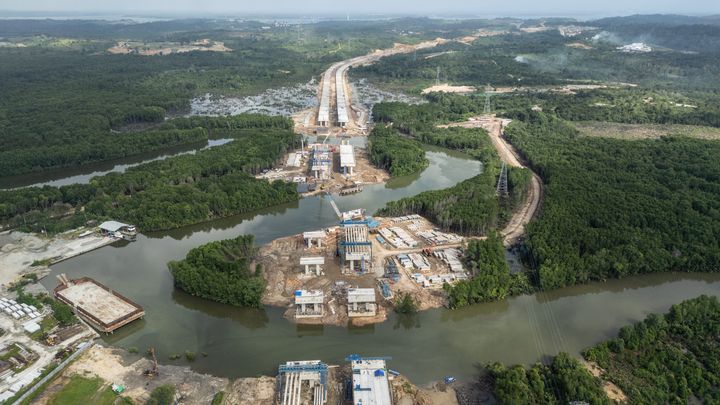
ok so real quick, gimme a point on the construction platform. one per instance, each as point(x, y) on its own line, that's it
point(370, 385)
point(99, 306)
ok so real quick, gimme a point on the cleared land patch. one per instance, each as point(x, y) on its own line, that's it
point(644, 131)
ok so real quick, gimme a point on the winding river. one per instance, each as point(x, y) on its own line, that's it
point(426, 347)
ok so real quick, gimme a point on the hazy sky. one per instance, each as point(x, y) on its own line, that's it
point(474, 7)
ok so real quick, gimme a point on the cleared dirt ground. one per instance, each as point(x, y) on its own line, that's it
point(119, 367)
point(447, 88)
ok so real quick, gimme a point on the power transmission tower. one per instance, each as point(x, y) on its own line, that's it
point(502, 185)
point(486, 110)
point(437, 77)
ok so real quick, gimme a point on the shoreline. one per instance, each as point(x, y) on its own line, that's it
point(115, 365)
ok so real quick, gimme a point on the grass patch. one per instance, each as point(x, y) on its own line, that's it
point(218, 398)
point(81, 390)
point(46, 325)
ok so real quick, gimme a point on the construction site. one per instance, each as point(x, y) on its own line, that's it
point(325, 167)
point(352, 272)
point(359, 381)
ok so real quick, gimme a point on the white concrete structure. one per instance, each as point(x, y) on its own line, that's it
point(313, 236)
point(316, 261)
point(309, 303)
point(341, 100)
point(324, 109)
point(361, 302)
point(356, 247)
point(370, 382)
point(347, 159)
point(294, 159)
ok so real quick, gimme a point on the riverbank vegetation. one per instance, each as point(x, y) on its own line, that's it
point(564, 381)
point(221, 271)
point(671, 358)
point(664, 359)
point(491, 279)
point(614, 208)
point(169, 193)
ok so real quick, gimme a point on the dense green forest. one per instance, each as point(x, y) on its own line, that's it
point(564, 381)
point(491, 279)
point(631, 106)
point(614, 208)
point(66, 101)
point(221, 271)
point(671, 358)
point(398, 155)
point(683, 58)
point(169, 193)
point(469, 207)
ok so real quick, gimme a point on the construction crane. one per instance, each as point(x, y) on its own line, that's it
point(152, 372)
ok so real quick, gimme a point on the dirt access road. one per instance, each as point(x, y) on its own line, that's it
point(515, 229)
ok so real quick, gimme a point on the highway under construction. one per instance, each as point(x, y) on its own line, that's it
point(336, 112)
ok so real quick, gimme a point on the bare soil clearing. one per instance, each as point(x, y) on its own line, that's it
point(119, 367)
point(447, 88)
point(19, 250)
point(252, 391)
point(166, 48)
point(406, 393)
point(611, 390)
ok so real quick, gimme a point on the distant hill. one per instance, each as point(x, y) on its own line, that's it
point(657, 19)
point(678, 32)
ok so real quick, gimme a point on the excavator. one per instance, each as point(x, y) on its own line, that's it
point(152, 372)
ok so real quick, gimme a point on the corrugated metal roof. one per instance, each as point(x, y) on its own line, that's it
point(113, 226)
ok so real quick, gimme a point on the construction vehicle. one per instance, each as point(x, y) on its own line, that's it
point(152, 372)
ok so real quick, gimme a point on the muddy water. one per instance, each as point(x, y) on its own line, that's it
point(247, 342)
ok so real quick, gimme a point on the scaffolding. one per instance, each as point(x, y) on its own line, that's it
point(355, 247)
point(292, 376)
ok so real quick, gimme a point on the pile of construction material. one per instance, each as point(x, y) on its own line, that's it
point(437, 281)
point(452, 257)
point(434, 237)
point(398, 238)
point(414, 260)
point(18, 311)
point(406, 218)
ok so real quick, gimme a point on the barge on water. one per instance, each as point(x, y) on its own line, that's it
point(356, 188)
point(99, 306)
